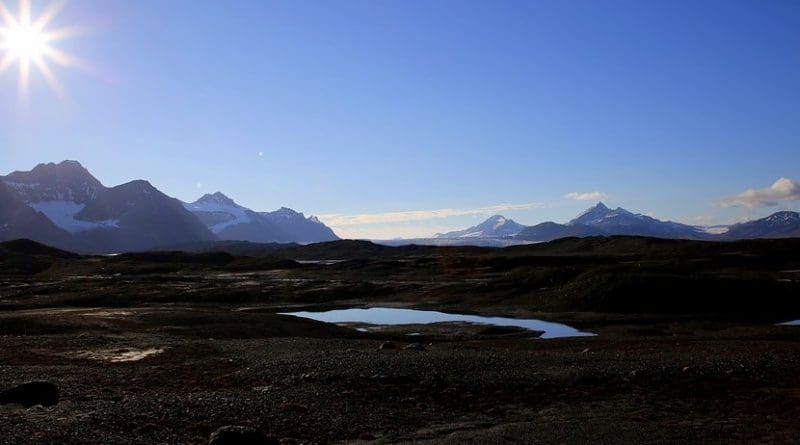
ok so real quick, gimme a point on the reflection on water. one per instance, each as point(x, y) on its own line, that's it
point(394, 316)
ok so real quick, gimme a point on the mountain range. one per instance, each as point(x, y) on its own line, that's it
point(63, 205)
point(231, 222)
point(601, 220)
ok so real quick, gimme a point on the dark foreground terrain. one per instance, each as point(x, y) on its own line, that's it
point(168, 347)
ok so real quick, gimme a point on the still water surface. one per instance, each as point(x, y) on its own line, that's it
point(395, 316)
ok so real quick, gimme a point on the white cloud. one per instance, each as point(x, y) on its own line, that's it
point(784, 189)
point(392, 231)
point(588, 196)
point(338, 220)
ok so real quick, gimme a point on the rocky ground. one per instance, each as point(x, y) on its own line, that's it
point(166, 349)
point(158, 375)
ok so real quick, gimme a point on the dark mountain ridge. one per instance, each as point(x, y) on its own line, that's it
point(64, 206)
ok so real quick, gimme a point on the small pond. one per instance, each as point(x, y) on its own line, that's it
point(395, 316)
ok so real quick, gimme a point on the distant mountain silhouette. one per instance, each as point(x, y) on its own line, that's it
point(548, 231)
point(777, 225)
point(622, 222)
point(603, 221)
point(497, 226)
point(600, 220)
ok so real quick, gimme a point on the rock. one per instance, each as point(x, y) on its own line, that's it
point(387, 345)
point(239, 435)
point(31, 394)
point(415, 347)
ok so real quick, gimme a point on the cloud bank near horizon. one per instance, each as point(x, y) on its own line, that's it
point(340, 220)
point(784, 189)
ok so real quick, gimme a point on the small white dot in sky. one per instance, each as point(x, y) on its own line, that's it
point(199, 185)
point(260, 154)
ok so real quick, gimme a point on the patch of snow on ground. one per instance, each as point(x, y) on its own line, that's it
point(119, 355)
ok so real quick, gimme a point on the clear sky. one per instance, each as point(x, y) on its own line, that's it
point(404, 118)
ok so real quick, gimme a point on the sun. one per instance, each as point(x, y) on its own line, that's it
point(26, 42)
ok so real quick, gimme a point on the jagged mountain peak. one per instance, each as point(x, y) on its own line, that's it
point(66, 181)
point(66, 164)
point(64, 169)
point(286, 212)
point(600, 212)
point(216, 198)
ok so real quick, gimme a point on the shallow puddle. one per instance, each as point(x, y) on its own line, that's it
point(395, 316)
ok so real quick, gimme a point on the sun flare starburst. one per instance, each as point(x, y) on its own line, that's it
point(28, 42)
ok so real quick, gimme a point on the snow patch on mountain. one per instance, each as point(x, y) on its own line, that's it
point(226, 213)
point(600, 214)
point(63, 214)
point(496, 226)
point(714, 230)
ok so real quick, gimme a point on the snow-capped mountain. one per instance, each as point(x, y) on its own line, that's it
point(60, 192)
point(218, 212)
point(622, 222)
point(497, 226)
point(601, 220)
point(777, 225)
point(65, 206)
point(230, 221)
point(93, 218)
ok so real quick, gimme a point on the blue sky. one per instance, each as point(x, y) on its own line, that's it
point(404, 118)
